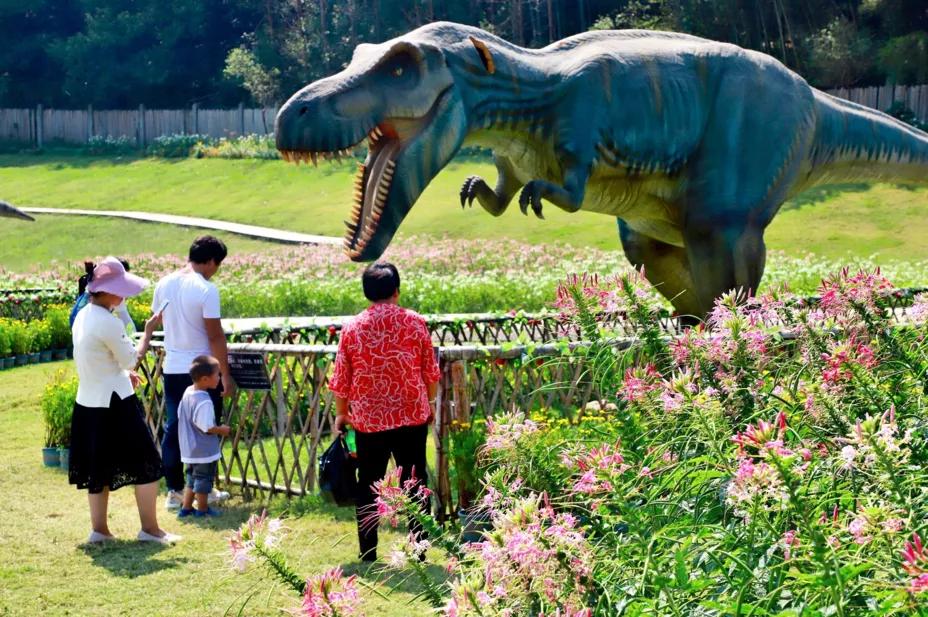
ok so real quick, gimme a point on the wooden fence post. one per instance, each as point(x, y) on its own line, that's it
point(280, 426)
point(90, 127)
point(196, 119)
point(462, 416)
point(39, 127)
point(140, 130)
point(442, 423)
point(241, 119)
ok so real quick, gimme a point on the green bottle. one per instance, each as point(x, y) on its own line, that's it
point(350, 441)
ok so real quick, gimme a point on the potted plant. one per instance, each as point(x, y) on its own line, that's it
point(42, 339)
point(57, 406)
point(466, 439)
point(6, 346)
point(57, 319)
point(20, 338)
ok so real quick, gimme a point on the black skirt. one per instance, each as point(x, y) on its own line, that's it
point(112, 446)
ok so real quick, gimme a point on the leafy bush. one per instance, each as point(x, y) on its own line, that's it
point(176, 146)
point(244, 147)
point(57, 406)
point(105, 145)
point(6, 339)
point(56, 317)
point(40, 335)
point(900, 111)
point(20, 336)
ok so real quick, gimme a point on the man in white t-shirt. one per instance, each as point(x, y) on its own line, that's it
point(189, 304)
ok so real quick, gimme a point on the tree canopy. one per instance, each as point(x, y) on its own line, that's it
point(173, 53)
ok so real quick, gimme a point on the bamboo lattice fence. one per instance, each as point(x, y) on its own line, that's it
point(278, 434)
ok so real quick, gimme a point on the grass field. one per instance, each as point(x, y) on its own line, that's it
point(831, 222)
point(45, 569)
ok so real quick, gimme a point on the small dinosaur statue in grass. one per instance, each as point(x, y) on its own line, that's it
point(691, 144)
point(8, 210)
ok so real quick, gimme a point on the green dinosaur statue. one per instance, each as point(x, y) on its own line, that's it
point(8, 210)
point(691, 144)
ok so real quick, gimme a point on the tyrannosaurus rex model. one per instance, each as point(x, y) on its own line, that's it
point(691, 144)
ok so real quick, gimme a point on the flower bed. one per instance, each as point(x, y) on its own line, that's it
point(439, 276)
point(771, 463)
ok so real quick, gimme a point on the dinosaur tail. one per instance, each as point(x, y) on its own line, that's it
point(853, 142)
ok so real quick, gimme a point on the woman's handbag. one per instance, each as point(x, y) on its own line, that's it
point(338, 474)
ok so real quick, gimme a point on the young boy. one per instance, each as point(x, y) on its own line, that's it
point(199, 436)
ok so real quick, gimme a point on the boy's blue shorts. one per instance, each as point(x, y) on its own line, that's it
point(200, 476)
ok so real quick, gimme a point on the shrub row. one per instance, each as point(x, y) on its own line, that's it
point(23, 342)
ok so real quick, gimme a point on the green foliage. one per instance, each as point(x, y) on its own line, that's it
point(6, 339)
point(115, 54)
point(56, 318)
point(40, 335)
point(840, 54)
point(262, 83)
point(175, 146)
point(57, 405)
point(905, 58)
point(106, 145)
point(20, 335)
point(899, 111)
point(244, 147)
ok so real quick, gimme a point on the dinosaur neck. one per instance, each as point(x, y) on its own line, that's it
point(516, 97)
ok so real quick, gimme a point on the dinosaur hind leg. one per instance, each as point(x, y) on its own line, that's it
point(665, 266)
point(725, 258)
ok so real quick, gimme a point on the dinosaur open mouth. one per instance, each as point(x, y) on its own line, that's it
point(387, 141)
point(372, 180)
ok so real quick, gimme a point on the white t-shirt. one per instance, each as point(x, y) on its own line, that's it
point(191, 299)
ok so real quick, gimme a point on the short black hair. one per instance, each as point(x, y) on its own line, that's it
point(380, 281)
point(206, 248)
point(203, 366)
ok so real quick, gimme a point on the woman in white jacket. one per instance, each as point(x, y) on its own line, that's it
point(111, 444)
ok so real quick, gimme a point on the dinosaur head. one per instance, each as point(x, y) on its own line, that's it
point(11, 212)
point(400, 95)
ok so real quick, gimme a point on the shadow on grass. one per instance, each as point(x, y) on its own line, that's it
point(63, 159)
point(130, 559)
point(823, 193)
point(378, 574)
point(231, 517)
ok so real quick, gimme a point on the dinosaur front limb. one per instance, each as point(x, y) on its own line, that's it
point(494, 201)
point(568, 197)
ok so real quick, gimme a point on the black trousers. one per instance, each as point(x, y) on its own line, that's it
point(407, 446)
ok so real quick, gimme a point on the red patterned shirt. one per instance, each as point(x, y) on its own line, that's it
point(385, 359)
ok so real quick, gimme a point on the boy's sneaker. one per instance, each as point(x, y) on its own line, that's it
point(208, 512)
point(217, 496)
point(174, 500)
point(185, 512)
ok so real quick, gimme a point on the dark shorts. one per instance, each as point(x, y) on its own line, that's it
point(200, 476)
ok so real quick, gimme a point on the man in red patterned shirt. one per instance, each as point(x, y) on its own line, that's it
point(385, 383)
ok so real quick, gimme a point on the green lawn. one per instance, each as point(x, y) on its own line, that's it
point(856, 218)
point(74, 238)
point(45, 570)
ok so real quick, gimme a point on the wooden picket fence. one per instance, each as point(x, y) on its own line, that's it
point(39, 125)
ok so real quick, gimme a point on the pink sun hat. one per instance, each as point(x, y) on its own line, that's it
point(110, 276)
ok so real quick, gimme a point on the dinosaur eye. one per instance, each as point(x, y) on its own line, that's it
point(398, 71)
